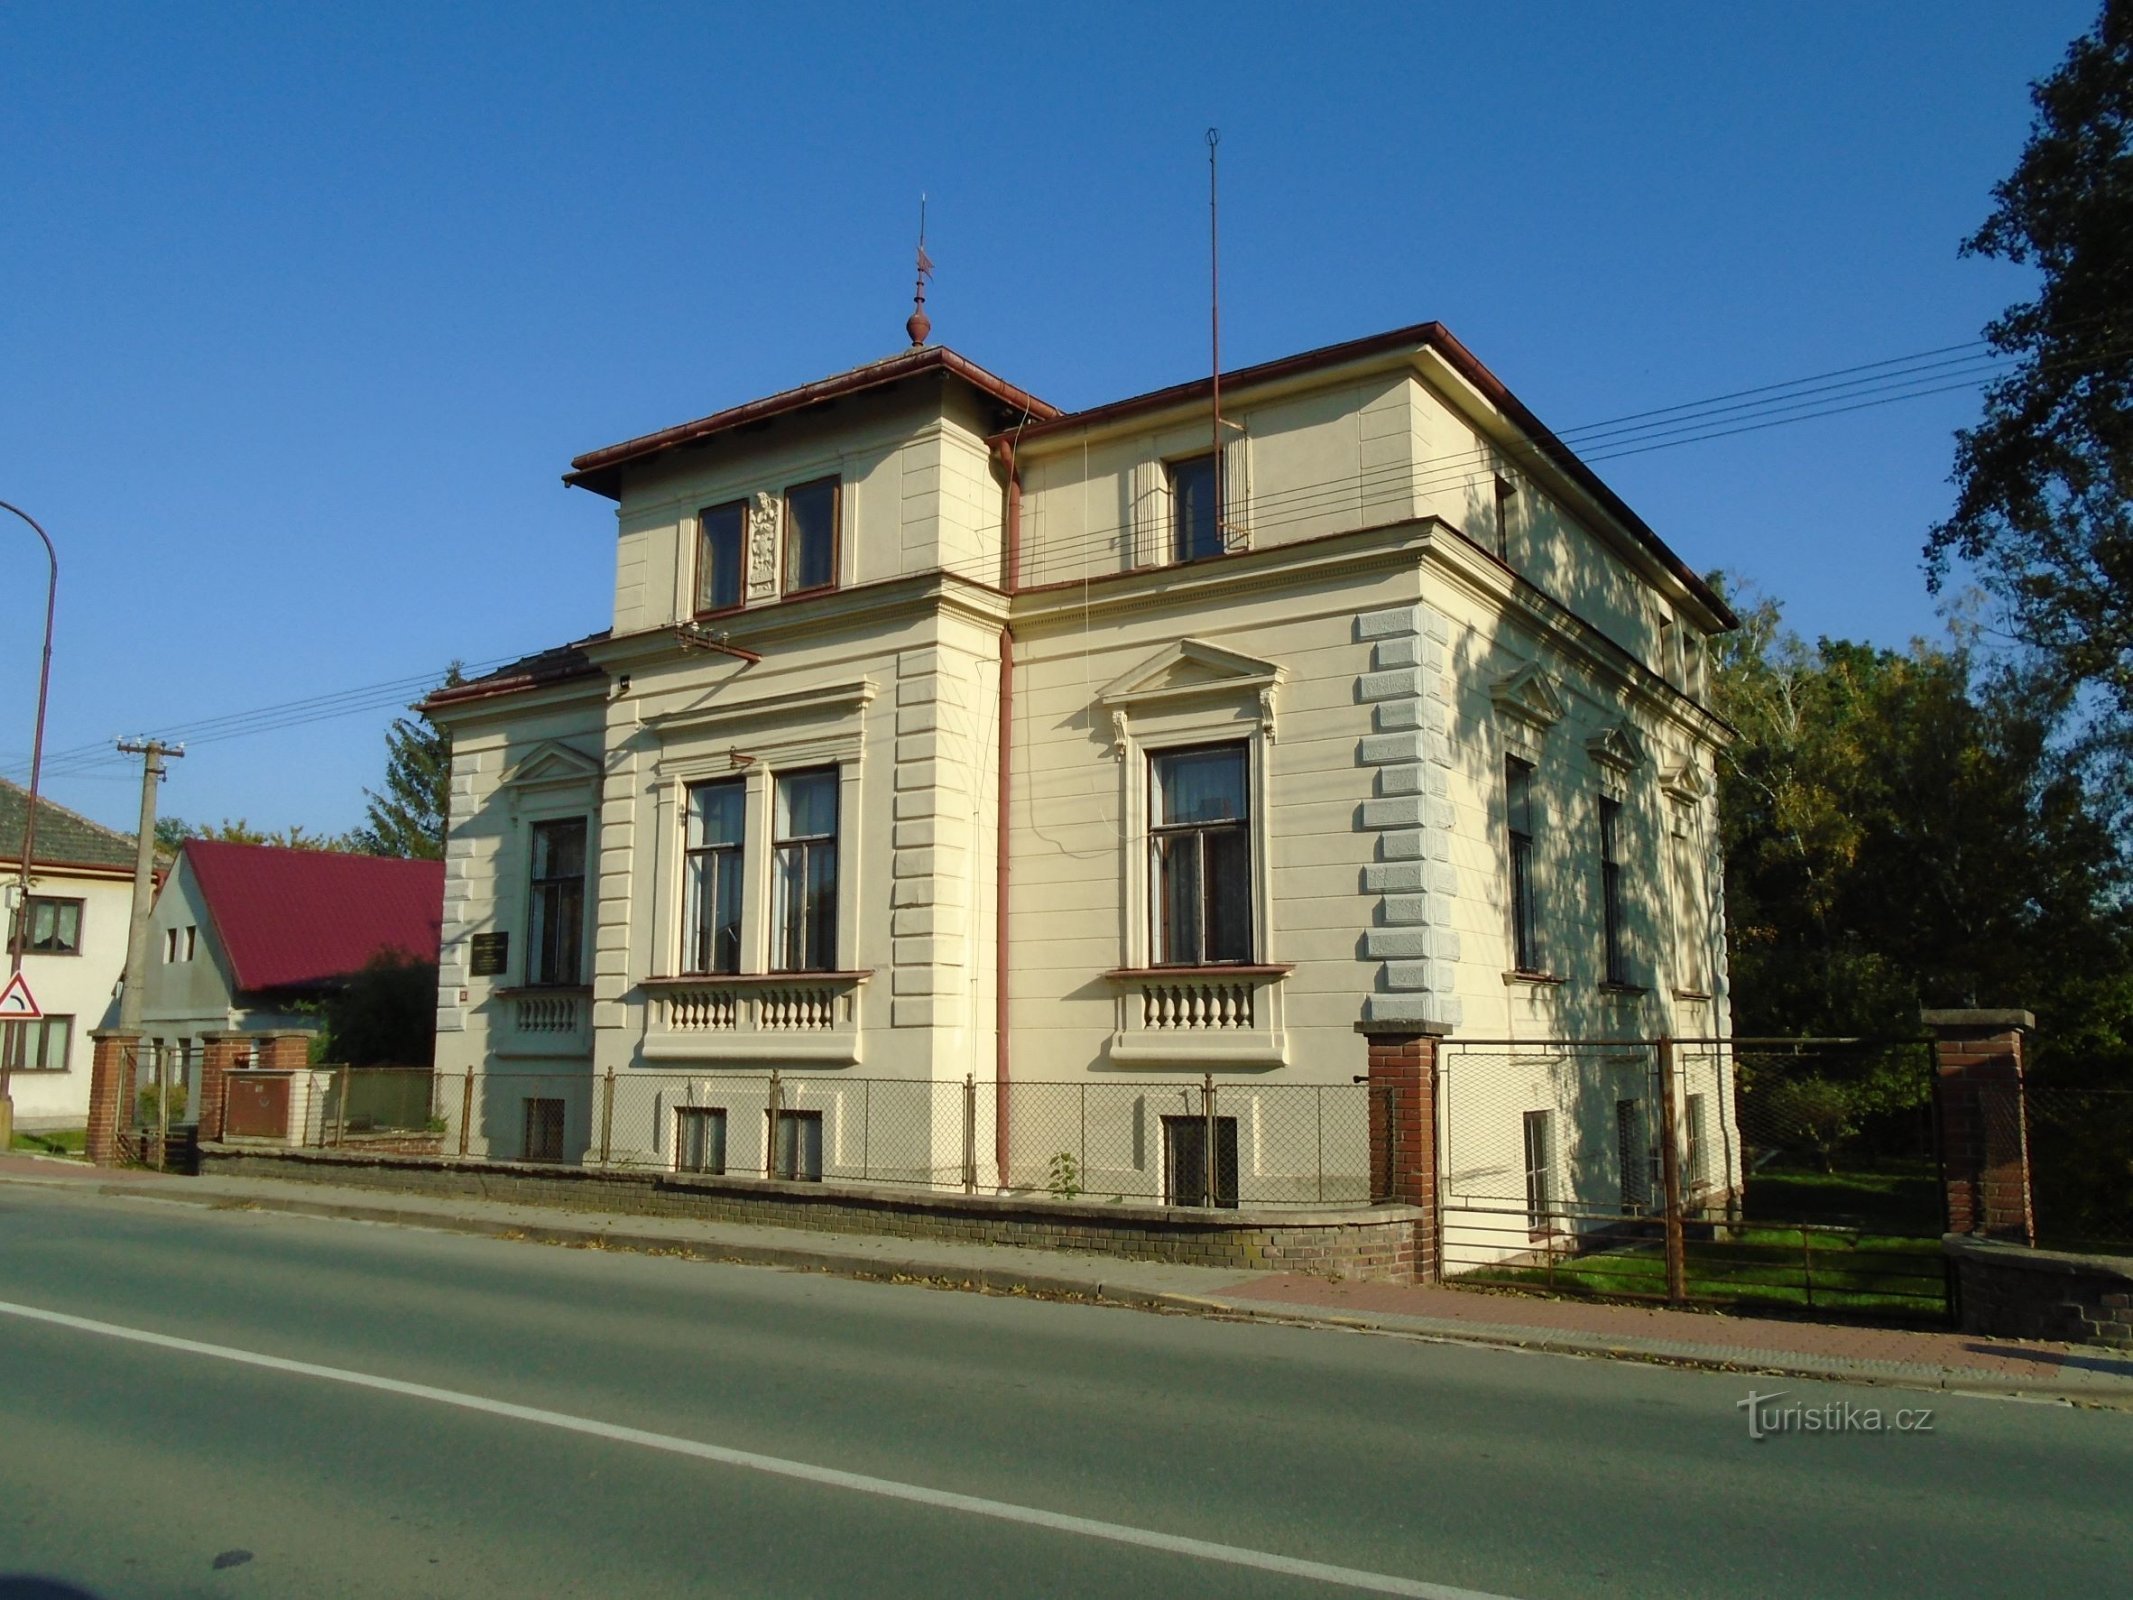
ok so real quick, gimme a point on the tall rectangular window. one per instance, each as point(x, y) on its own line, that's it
point(700, 1139)
point(51, 927)
point(1201, 857)
point(807, 871)
point(796, 1146)
point(1611, 890)
point(1540, 1173)
point(555, 920)
point(1506, 492)
point(1195, 509)
point(1690, 924)
point(1518, 830)
point(811, 536)
point(1633, 1152)
point(544, 1128)
point(1696, 1170)
point(721, 550)
point(711, 892)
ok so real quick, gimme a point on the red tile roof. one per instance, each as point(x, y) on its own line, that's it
point(301, 918)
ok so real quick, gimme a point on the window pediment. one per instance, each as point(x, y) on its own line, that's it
point(1688, 783)
point(1190, 667)
point(1528, 696)
point(550, 763)
point(1616, 747)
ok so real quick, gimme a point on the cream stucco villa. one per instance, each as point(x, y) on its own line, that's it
point(939, 735)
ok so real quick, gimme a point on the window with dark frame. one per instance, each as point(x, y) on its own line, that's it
point(796, 1146)
point(1611, 891)
point(1633, 1152)
point(700, 1139)
point(1186, 1173)
point(1695, 1158)
point(1518, 830)
point(51, 926)
point(1506, 492)
point(712, 874)
point(806, 866)
point(1195, 512)
point(1200, 848)
point(555, 921)
point(1540, 1173)
point(40, 1046)
point(811, 535)
point(544, 1128)
point(721, 554)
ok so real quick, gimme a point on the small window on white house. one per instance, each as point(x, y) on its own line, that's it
point(51, 927)
point(1187, 1171)
point(1633, 1153)
point(700, 1139)
point(1195, 509)
point(170, 946)
point(1506, 492)
point(192, 940)
point(796, 1146)
point(39, 1046)
point(1540, 1172)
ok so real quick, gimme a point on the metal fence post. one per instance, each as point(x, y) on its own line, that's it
point(770, 1129)
point(466, 1110)
point(1677, 1266)
point(1207, 1149)
point(162, 1104)
point(970, 1133)
point(607, 1116)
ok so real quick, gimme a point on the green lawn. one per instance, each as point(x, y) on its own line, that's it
point(58, 1142)
point(1888, 1197)
point(1758, 1268)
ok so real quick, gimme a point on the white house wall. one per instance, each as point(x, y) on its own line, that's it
point(77, 986)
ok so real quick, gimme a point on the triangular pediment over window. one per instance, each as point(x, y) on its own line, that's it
point(1687, 782)
point(1188, 668)
point(550, 762)
point(1616, 747)
point(1528, 696)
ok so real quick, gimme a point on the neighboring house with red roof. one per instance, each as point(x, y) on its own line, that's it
point(243, 936)
point(81, 894)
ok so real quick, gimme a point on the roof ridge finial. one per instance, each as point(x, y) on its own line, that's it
point(918, 324)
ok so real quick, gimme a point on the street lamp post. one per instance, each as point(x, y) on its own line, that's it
point(18, 933)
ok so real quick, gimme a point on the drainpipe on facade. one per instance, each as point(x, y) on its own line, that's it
point(1001, 859)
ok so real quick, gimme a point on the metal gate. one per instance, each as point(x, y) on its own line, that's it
point(1779, 1175)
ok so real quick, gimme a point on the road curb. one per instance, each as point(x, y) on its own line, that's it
point(1093, 1289)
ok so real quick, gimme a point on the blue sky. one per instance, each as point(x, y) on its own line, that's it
point(304, 309)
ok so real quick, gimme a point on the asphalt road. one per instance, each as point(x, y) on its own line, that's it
point(443, 1415)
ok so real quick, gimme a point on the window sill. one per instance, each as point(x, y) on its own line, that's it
point(809, 594)
point(1625, 991)
point(1692, 994)
point(510, 991)
point(1539, 979)
point(1241, 969)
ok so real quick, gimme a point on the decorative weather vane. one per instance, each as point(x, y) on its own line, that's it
point(918, 324)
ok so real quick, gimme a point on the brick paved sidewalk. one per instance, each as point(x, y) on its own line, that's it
point(1949, 1359)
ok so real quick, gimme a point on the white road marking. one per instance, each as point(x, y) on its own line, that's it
point(777, 1466)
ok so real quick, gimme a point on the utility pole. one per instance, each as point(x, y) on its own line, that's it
point(144, 866)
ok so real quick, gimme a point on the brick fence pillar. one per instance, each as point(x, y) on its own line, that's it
point(110, 1082)
point(1402, 1076)
point(284, 1049)
point(222, 1054)
point(1984, 1126)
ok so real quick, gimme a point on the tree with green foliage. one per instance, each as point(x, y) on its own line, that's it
point(2044, 510)
point(385, 1015)
point(171, 832)
point(410, 816)
point(1905, 829)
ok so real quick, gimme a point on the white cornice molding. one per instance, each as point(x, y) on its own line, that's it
point(797, 705)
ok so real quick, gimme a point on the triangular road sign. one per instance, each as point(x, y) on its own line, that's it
point(17, 1004)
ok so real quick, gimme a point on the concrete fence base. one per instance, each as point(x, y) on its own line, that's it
point(1377, 1243)
point(2022, 1293)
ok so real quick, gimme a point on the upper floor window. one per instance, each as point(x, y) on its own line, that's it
point(1617, 961)
point(811, 511)
point(721, 549)
point(180, 944)
point(1201, 857)
point(1518, 831)
point(806, 837)
point(712, 895)
point(51, 927)
point(1195, 509)
point(555, 920)
point(1506, 492)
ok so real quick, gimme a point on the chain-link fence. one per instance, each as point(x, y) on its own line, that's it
point(1204, 1142)
point(1774, 1173)
point(2080, 1145)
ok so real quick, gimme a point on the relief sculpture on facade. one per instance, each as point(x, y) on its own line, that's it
point(762, 547)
